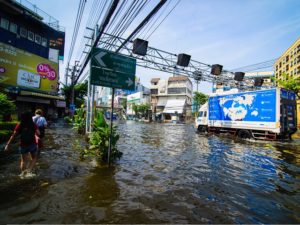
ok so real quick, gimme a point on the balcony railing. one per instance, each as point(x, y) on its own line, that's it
point(45, 17)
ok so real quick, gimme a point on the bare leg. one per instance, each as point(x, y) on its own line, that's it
point(24, 160)
point(33, 160)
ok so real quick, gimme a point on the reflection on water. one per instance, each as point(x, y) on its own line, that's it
point(168, 174)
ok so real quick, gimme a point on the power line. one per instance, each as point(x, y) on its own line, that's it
point(257, 66)
point(163, 19)
point(101, 30)
point(76, 27)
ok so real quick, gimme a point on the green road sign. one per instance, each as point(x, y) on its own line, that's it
point(110, 69)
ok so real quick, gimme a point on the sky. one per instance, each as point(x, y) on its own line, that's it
point(232, 33)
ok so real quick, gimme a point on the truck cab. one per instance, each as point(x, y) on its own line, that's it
point(201, 120)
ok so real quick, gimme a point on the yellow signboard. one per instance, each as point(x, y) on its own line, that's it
point(23, 69)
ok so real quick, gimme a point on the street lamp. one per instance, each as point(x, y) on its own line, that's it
point(216, 69)
point(183, 59)
point(239, 76)
point(140, 47)
point(197, 75)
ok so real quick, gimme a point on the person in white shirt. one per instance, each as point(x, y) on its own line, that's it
point(41, 123)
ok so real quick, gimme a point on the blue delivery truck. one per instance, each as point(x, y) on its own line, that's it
point(268, 114)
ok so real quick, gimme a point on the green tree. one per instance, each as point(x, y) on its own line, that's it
point(200, 98)
point(6, 106)
point(80, 91)
point(124, 103)
point(143, 109)
point(288, 82)
point(135, 108)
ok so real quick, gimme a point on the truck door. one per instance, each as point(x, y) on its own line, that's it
point(288, 116)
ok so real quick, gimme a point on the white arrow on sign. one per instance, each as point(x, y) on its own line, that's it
point(99, 58)
point(129, 82)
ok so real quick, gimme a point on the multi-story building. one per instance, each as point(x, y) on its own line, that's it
point(289, 63)
point(31, 44)
point(138, 98)
point(171, 99)
point(267, 77)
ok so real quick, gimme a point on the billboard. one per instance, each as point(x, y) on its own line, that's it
point(57, 41)
point(256, 106)
point(24, 69)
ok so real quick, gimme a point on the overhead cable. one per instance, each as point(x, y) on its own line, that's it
point(76, 27)
point(101, 30)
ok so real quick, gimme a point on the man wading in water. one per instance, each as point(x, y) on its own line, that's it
point(28, 145)
point(41, 122)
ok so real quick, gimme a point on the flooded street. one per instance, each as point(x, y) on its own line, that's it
point(167, 174)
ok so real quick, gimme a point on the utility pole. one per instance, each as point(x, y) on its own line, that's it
point(72, 101)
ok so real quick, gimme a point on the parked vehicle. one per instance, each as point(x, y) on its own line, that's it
point(261, 114)
point(107, 116)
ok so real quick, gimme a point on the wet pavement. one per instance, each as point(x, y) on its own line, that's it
point(167, 174)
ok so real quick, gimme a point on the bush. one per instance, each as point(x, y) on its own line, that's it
point(5, 135)
point(7, 125)
point(79, 120)
point(68, 119)
point(6, 106)
point(99, 140)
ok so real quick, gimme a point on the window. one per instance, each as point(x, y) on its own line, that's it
point(37, 39)
point(23, 32)
point(154, 91)
point(30, 36)
point(176, 90)
point(204, 113)
point(200, 114)
point(13, 28)
point(4, 23)
point(44, 42)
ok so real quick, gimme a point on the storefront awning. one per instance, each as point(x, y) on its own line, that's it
point(174, 105)
point(29, 93)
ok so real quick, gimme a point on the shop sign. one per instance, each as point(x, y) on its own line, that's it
point(28, 79)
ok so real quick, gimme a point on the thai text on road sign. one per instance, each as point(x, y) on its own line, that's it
point(112, 70)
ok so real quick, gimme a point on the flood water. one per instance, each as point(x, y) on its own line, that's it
point(167, 174)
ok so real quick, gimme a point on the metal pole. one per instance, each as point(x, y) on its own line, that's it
point(72, 89)
point(92, 105)
point(111, 124)
point(87, 122)
point(92, 89)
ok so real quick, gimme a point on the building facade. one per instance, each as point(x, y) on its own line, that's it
point(289, 63)
point(267, 77)
point(171, 99)
point(30, 49)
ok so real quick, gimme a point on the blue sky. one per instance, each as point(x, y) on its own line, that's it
point(233, 33)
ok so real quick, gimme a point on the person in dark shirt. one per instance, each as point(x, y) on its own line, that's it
point(28, 145)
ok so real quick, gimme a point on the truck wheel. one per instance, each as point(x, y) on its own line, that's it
point(201, 129)
point(244, 134)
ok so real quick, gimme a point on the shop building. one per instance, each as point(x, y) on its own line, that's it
point(31, 45)
point(171, 99)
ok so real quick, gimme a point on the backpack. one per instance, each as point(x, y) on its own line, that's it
point(27, 136)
